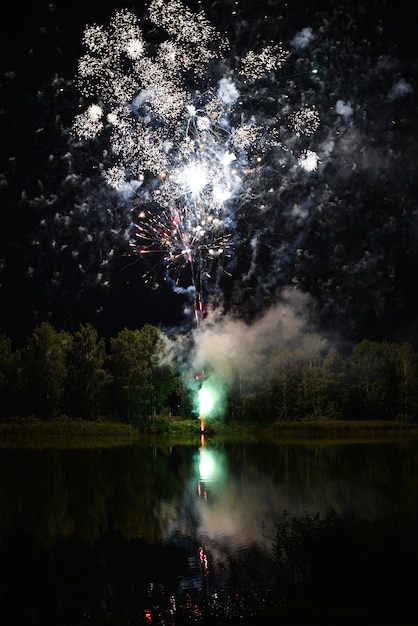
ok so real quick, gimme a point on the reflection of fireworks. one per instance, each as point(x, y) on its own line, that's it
point(181, 131)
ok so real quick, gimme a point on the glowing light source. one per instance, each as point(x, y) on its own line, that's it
point(206, 401)
point(195, 178)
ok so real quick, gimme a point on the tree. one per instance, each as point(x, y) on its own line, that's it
point(373, 374)
point(131, 374)
point(142, 365)
point(6, 373)
point(406, 362)
point(45, 371)
point(159, 355)
point(335, 384)
point(88, 378)
point(310, 398)
point(282, 384)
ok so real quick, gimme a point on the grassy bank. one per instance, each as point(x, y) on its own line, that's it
point(63, 431)
point(309, 426)
point(312, 431)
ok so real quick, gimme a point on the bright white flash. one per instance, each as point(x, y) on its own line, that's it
point(206, 401)
point(227, 158)
point(94, 112)
point(309, 160)
point(222, 195)
point(194, 178)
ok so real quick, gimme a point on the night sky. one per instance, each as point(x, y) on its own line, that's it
point(344, 237)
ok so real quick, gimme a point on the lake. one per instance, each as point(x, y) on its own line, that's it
point(300, 531)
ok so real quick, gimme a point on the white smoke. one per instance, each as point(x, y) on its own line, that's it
point(228, 91)
point(303, 38)
point(227, 350)
point(400, 89)
point(344, 109)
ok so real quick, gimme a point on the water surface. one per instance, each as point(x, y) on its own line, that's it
point(175, 533)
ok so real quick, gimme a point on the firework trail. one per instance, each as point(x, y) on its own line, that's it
point(188, 133)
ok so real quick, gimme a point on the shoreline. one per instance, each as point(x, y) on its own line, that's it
point(64, 430)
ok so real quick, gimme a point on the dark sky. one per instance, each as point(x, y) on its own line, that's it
point(345, 235)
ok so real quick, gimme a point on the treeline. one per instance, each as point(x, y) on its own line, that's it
point(79, 375)
point(310, 380)
point(134, 377)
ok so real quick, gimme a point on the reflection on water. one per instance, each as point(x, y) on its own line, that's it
point(218, 523)
point(172, 533)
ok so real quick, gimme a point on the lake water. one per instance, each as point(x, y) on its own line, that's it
point(185, 533)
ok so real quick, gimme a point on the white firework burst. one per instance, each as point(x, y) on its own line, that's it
point(183, 137)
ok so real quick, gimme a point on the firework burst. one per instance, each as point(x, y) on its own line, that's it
point(181, 133)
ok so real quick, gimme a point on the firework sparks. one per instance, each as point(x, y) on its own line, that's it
point(305, 121)
point(173, 112)
point(309, 160)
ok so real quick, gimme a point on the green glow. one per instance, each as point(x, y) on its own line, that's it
point(206, 401)
point(206, 464)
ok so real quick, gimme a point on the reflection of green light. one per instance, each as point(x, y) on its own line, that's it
point(206, 464)
point(206, 401)
point(210, 464)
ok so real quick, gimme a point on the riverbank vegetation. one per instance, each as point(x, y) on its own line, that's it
point(65, 432)
point(133, 379)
